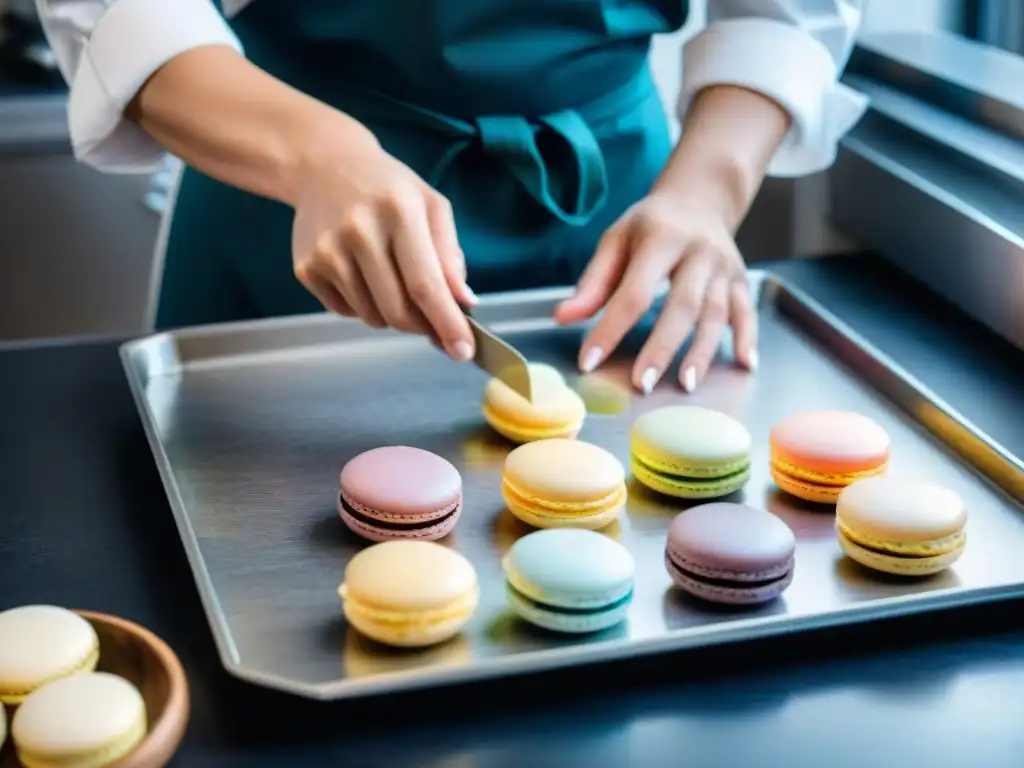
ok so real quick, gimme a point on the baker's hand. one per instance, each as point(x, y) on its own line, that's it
point(372, 240)
point(690, 243)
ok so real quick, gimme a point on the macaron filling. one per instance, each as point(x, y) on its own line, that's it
point(573, 610)
point(563, 508)
point(824, 478)
point(920, 549)
point(711, 476)
point(728, 579)
point(395, 522)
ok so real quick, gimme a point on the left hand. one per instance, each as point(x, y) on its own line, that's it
point(667, 235)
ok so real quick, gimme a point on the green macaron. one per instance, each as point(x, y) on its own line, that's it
point(690, 452)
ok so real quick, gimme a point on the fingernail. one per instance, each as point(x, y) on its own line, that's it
point(592, 359)
point(690, 380)
point(463, 351)
point(649, 379)
point(753, 359)
point(471, 295)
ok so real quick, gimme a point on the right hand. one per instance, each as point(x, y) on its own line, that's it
point(372, 240)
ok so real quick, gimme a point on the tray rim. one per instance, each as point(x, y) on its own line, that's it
point(1002, 471)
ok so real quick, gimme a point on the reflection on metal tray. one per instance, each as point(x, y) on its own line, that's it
point(250, 424)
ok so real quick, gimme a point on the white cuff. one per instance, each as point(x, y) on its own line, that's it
point(786, 64)
point(132, 40)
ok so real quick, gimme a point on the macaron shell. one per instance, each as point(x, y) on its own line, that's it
point(566, 623)
point(409, 576)
point(892, 510)
point(736, 594)
point(690, 441)
point(563, 471)
point(894, 564)
point(801, 489)
point(92, 719)
point(401, 481)
point(40, 644)
point(833, 442)
point(681, 488)
point(428, 531)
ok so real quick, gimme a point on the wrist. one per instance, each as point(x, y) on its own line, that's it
point(729, 137)
point(322, 137)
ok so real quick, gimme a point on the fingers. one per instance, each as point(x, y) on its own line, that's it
point(449, 252)
point(629, 302)
point(714, 316)
point(421, 271)
point(599, 279)
point(681, 309)
point(366, 239)
point(743, 317)
point(328, 295)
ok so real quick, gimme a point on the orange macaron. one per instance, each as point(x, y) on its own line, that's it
point(816, 454)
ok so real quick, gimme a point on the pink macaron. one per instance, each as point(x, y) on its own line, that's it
point(730, 553)
point(398, 492)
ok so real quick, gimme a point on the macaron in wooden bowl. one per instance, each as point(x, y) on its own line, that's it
point(150, 666)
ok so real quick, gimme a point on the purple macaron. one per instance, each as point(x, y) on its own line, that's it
point(730, 553)
point(398, 492)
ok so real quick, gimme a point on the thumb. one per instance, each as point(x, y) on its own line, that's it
point(599, 279)
point(453, 260)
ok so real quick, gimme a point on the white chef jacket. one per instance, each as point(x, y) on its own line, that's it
point(792, 51)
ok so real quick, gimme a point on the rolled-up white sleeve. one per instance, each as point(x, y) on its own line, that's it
point(793, 52)
point(107, 50)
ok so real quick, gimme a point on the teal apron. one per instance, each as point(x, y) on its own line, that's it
point(537, 119)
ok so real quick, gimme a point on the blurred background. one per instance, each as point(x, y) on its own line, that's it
point(933, 178)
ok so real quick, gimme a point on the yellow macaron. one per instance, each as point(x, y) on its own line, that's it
point(554, 410)
point(563, 484)
point(901, 527)
point(409, 593)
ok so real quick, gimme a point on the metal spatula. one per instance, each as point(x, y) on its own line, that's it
point(499, 358)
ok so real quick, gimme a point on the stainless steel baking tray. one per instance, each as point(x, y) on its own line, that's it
point(250, 424)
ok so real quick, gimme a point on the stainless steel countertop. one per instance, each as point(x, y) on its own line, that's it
point(85, 523)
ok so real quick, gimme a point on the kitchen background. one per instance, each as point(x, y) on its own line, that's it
point(76, 246)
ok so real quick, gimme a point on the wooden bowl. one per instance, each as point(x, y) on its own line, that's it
point(146, 661)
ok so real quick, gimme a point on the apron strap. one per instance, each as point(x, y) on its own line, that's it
point(516, 141)
point(513, 141)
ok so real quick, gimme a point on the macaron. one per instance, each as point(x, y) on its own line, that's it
point(690, 452)
point(398, 492)
point(901, 527)
point(815, 454)
point(409, 593)
point(42, 643)
point(563, 483)
point(553, 410)
point(730, 553)
point(569, 580)
point(83, 721)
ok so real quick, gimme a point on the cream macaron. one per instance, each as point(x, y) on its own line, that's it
point(564, 484)
point(82, 721)
point(901, 527)
point(42, 643)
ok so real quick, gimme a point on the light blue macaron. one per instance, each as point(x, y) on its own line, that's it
point(569, 580)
